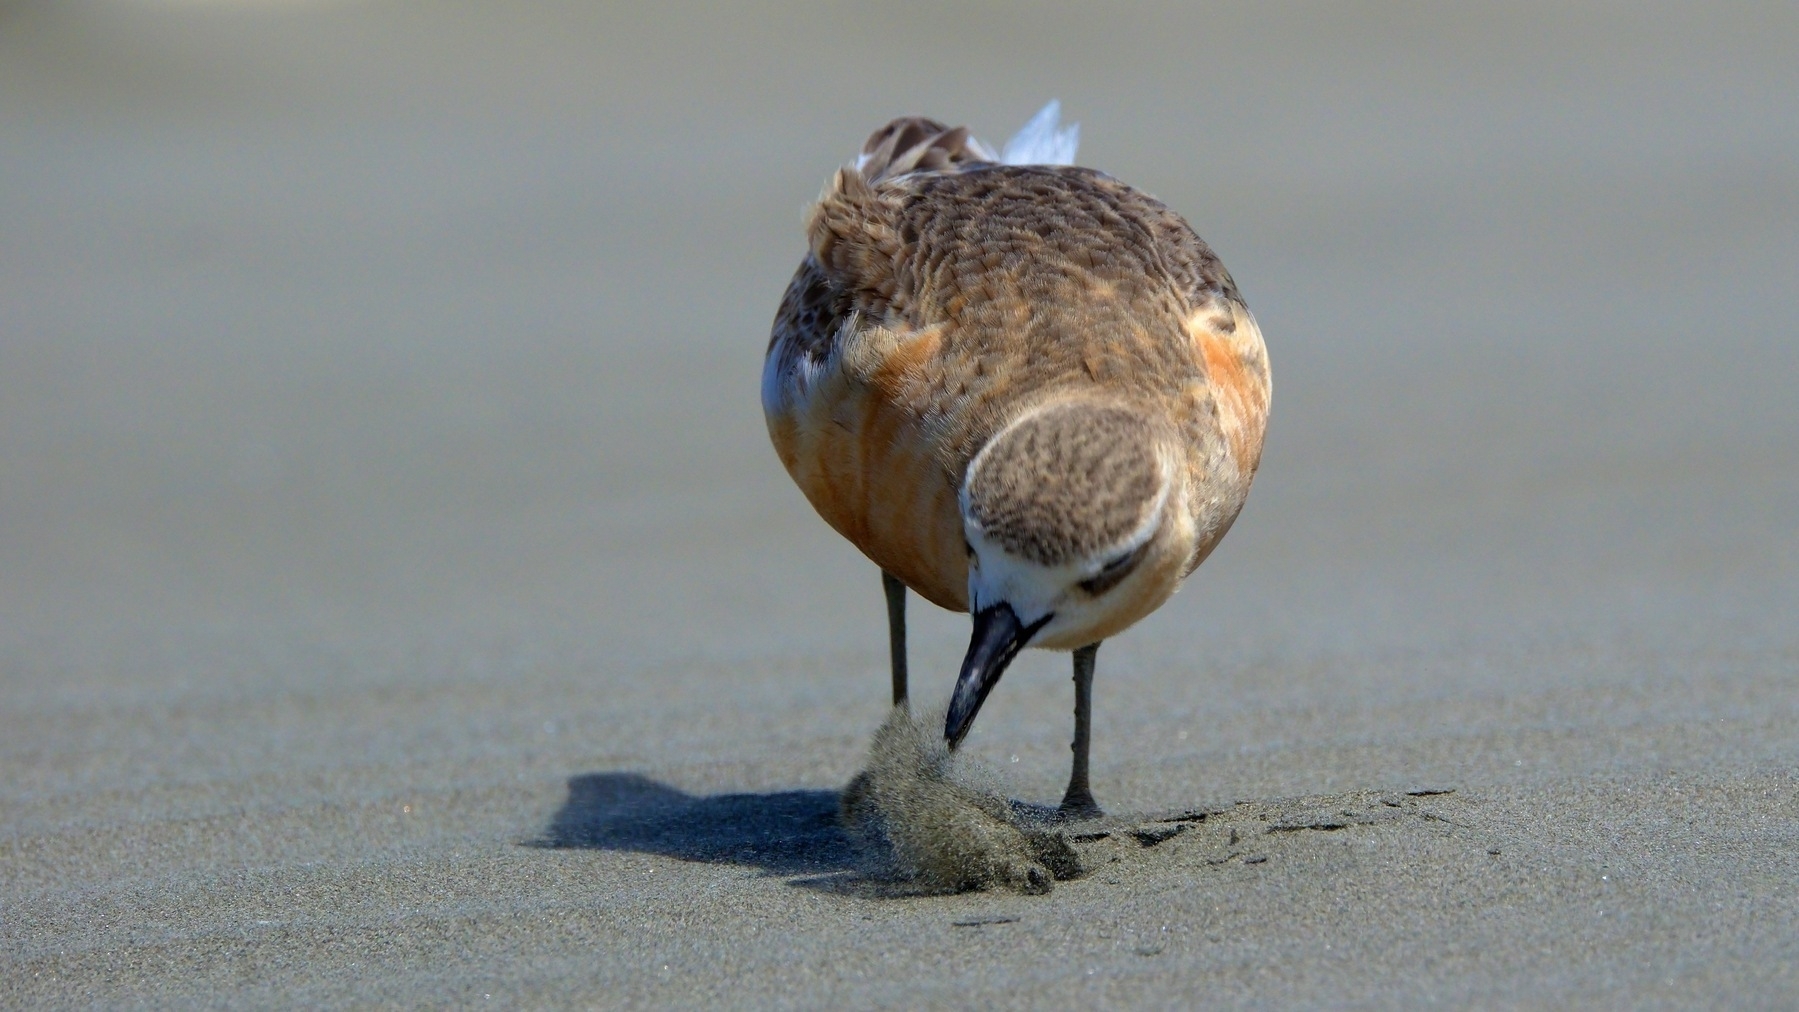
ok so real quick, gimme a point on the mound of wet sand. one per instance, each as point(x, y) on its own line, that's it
point(927, 820)
point(939, 821)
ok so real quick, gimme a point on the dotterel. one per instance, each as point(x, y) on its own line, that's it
point(1022, 388)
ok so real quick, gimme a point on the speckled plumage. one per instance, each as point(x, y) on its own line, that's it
point(1026, 391)
point(1065, 482)
point(944, 296)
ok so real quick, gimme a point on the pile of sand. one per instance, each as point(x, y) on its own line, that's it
point(941, 821)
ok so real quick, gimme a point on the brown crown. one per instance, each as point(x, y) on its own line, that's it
point(1067, 481)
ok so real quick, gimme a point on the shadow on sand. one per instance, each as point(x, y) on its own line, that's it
point(782, 833)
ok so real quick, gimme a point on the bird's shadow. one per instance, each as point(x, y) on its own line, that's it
point(786, 833)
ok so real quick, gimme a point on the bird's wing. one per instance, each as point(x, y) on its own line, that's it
point(888, 269)
point(848, 282)
point(803, 342)
point(844, 355)
point(1225, 338)
point(1232, 401)
point(856, 273)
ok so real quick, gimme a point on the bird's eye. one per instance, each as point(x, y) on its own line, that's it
point(1114, 571)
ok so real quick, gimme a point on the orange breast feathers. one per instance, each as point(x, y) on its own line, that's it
point(857, 445)
point(1229, 341)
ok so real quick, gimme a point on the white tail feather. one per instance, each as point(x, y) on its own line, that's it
point(1043, 141)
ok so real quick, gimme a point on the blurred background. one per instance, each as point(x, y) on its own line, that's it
point(445, 320)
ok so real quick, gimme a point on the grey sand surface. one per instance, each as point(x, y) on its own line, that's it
point(400, 603)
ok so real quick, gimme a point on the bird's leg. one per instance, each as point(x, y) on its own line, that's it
point(1078, 802)
point(896, 632)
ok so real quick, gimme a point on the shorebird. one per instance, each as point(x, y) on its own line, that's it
point(1024, 389)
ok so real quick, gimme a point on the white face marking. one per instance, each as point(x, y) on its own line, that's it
point(1033, 590)
point(995, 576)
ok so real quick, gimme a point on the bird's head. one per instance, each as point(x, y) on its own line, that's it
point(1076, 521)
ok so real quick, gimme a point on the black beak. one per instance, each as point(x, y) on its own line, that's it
point(998, 637)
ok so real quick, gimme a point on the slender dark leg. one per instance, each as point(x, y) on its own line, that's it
point(896, 632)
point(1078, 803)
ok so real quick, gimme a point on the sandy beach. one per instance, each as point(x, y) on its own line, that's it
point(400, 604)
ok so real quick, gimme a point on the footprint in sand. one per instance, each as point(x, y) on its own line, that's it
point(934, 821)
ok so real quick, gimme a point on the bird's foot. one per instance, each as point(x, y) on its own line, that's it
point(1078, 806)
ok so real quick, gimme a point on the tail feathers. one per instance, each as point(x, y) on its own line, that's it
point(917, 144)
point(1043, 141)
point(913, 144)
